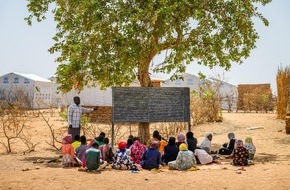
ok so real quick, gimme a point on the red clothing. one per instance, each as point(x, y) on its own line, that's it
point(137, 150)
point(68, 149)
point(106, 152)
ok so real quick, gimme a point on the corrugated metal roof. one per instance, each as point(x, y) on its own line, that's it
point(32, 77)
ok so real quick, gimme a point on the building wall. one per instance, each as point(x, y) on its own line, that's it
point(16, 88)
point(42, 94)
point(229, 95)
point(190, 81)
point(90, 96)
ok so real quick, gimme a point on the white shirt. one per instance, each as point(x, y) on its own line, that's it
point(203, 156)
point(75, 114)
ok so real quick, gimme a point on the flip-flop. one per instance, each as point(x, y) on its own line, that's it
point(192, 169)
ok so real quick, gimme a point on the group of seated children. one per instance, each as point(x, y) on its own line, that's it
point(134, 155)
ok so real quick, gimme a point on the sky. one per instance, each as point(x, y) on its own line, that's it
point(24, 48)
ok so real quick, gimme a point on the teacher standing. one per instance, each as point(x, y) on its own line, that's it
point(74, 116)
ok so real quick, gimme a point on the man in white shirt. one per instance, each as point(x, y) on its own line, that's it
point(74, 116)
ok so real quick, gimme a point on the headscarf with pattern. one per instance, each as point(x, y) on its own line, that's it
point(239, 143)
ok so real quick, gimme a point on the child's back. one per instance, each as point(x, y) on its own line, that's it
point(68, 153)
point(250, 147)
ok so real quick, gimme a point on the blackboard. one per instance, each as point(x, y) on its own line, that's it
point(150, 104)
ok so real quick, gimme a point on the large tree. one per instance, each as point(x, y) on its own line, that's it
point(113, 42)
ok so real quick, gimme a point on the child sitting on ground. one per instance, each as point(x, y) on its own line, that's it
point(106, 151)
point(93, 158)
point(151, 157)
point(250, 147)
point(121, 160)
point(137, 151)
point(228, 148)
point(240, 154)
point(185, 159)
point(202, 157)
point(162, 144)
point(76, 142)
point(81, 151)
point(68, 153)
point(170, 151)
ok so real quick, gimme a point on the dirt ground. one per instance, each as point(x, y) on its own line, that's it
point(271, 169)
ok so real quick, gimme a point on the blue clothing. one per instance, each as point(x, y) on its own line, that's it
point(81, 151)
point(170, 153)
point(122, 160)
point(151, 159)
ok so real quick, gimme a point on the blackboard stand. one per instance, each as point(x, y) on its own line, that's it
point(150, 104)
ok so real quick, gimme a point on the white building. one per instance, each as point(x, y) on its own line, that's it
point(228, 93)
point(90, 96)
point(30, 90)
point(189, 80)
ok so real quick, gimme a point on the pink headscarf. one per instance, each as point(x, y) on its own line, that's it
point(180, 137)
point(239, 143)
point(67, 139)
point(154, 144)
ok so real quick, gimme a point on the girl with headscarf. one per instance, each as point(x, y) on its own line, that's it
point(240, 154)
point(121, 160)
point(250, 147)
point(151, 158)
point(228, 148)
point(68, 153)
point(206, 143)
point(137, 151)
point(170, 151)
point(180, 139)
point(184, 160)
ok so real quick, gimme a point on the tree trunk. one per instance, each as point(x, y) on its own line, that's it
point(145, 81)
point(144, 132)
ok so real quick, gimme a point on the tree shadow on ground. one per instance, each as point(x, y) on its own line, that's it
point(54, 162)
point(285, 140)
point(266, 157)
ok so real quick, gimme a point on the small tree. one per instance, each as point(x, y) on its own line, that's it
point(12, 123)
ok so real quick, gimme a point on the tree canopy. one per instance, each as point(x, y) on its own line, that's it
point(113, 42)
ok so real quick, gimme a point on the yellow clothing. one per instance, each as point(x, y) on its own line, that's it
point(76, 144)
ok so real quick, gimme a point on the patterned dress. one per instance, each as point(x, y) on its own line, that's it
point(122, 160)
point(137, 151)
point(106, 152)
point(240, 156)
point(185, 160)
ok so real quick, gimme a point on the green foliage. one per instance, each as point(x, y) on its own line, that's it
point(84, 119)
point(111, 42)
point(205, 105)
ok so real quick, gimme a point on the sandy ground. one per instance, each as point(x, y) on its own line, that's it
point(271, 169)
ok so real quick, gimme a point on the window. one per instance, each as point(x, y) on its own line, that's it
point(26, 81)
point(178, 82)
point(16, 80)
point(6, 80)
point(189, 81)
